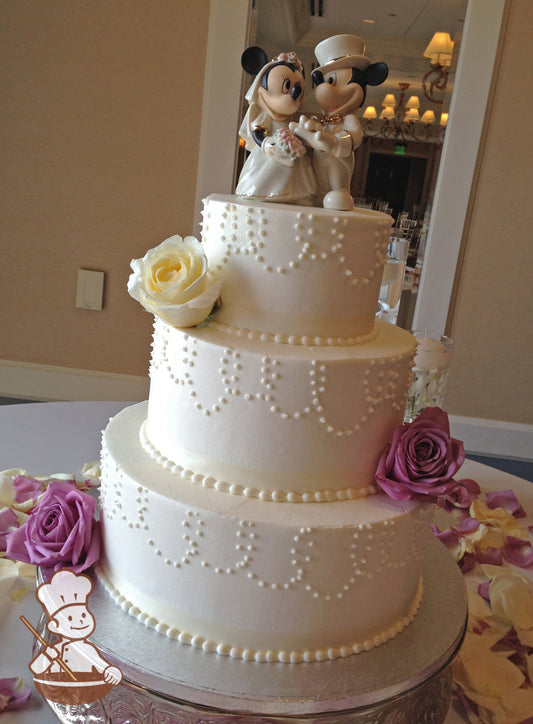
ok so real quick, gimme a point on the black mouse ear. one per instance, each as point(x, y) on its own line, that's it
point(253, 59)
point(377, 73)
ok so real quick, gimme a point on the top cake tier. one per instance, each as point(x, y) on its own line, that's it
point(296, 274)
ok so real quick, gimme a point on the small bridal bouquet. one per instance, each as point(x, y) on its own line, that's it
point(284, 147)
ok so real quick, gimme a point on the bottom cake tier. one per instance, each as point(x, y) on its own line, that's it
point(408, 680)
point(256, 580)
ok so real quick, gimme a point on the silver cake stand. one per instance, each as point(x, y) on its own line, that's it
point(404, 681)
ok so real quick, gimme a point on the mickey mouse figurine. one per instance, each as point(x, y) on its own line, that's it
point(341, 81)
point(278, 167)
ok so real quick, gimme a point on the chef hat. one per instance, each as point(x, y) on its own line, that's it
point(65, 589)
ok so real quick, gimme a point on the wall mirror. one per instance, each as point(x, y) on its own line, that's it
point(405, 31)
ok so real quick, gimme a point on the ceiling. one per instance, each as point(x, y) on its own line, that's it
point(399, 35)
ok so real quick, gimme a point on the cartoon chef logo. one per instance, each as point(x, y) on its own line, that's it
point(71, 670)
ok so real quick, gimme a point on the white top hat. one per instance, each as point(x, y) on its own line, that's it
point(341, 51)
point(65, 589)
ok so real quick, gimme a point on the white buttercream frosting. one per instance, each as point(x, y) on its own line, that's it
point(295, 272)
point(217, 570)
point(135, 604)
point(281, 419)
point(286, 395)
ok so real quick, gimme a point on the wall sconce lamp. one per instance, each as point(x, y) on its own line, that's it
point(439, 51)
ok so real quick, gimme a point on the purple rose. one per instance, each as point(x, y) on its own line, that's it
point(421, 459)
point(60, 532)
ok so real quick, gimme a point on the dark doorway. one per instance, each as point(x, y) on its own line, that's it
point(396, 179)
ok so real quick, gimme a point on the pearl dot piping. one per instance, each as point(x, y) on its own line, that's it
point(208, 481)
point(261, 655)
point(294, 339)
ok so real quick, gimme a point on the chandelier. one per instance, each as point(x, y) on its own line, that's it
point(401, 120)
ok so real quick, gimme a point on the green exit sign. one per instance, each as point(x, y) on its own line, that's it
point(399, 149)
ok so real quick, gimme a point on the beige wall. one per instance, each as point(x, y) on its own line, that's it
point(101, 109)
point(492, 318)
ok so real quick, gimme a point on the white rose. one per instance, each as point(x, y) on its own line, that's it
point(172, 281)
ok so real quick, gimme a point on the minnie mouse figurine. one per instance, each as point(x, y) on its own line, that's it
point(341, 81)
point(278, 167)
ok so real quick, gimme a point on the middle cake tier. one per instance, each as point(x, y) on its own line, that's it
point(274, 421)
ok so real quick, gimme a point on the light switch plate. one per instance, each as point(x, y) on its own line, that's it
point(90, 289)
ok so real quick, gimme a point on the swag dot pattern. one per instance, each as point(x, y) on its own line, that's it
point(371, 550)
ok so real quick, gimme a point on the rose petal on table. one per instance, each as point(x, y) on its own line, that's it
point(507, 500)
point(483, 590)
point(449, 537)
point(92, 472)
point(27, 489)
point(484, 674)
point(511, 599)
point(8, 522)
point(467, 525)
point(526, 639)
point(492, 556)
point(8, 575)
point(492, 571)
point(14, 694)
point(477, 606)
point(518, 552)
point(467, 562)
point(517, 706)
point(488, 537)
point(498, 518)
point(7, 491)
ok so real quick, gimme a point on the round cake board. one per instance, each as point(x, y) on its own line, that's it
point(408, 674)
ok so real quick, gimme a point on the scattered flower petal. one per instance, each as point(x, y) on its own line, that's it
point(467, 562)
point(477, 605)
point(498, 518)
point(14, 694)
point(511, 599)
point(8, 576)
point(8, 522)
point(448, 537)
point(492, 556)
point(7, 491)
point(483, 590)
point(467, 525)
point(92, 472)
point(518, 552)
point(484, 674)
point(27, 489)
point(517, 706)
point(493, 673)
point(507, 500)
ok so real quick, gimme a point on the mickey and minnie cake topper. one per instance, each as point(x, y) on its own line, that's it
point(309, 161)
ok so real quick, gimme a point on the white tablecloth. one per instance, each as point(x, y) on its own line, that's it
point(60, 437)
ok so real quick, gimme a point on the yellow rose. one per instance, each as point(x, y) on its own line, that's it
point(172, 281)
